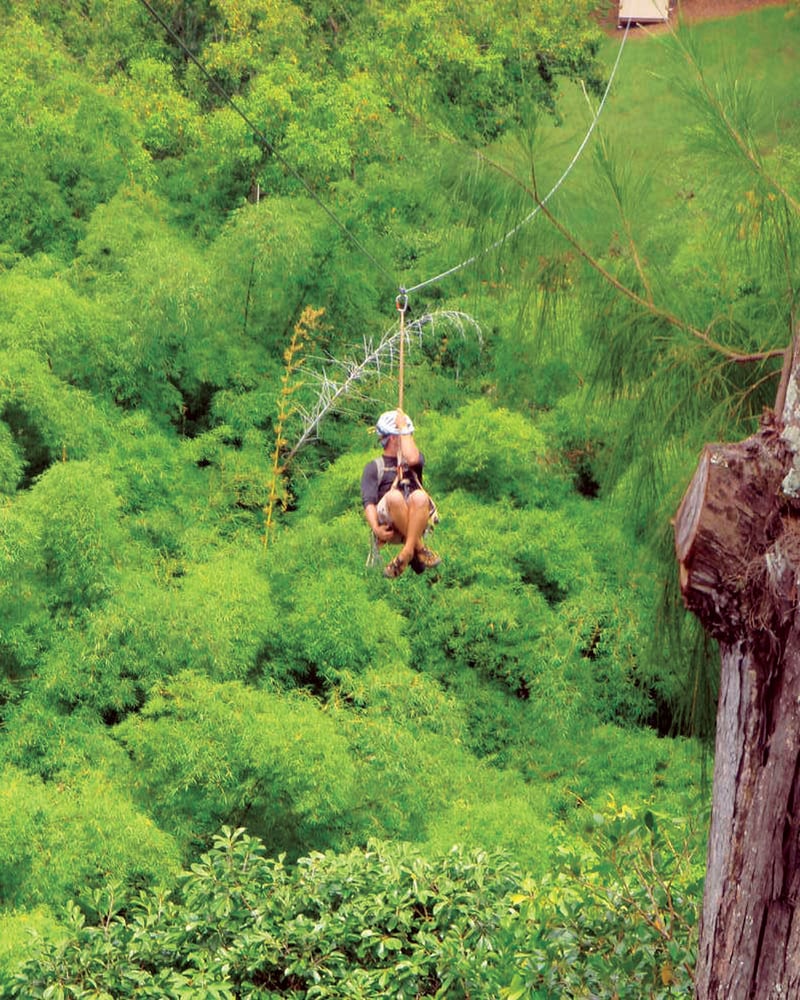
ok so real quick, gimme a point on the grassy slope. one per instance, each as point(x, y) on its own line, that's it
point(649, 113)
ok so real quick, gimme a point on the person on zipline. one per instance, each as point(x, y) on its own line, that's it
point(396, 506)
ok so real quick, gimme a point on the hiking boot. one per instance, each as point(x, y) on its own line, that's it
point(395, 568)
point(417, 564)
point(425, 558)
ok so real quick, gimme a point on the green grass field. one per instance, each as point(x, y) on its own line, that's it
point(650, 115)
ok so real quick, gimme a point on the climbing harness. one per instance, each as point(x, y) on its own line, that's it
point(405, 483)
point(406, 480)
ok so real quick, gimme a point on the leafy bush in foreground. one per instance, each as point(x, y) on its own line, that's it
point(386, 922)
point(616, 922)
point(372, 923)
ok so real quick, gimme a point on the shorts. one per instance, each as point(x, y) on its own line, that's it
point(385, 518)
point(383, 511)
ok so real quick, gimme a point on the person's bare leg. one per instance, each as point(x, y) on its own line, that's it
point(409, 518)
point(398, 512)
point(417, 520)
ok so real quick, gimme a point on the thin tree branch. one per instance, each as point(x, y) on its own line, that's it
point(626, 225)
point(735, 357)
point(343, 376)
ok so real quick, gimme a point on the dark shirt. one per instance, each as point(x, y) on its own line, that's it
point(372, 490)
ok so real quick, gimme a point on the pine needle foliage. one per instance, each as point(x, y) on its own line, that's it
point(684, 338)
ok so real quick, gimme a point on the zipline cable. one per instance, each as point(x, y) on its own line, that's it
point(512, 232)
point(402, 298)
point(260, 134)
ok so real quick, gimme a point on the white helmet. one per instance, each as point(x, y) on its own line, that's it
point(387, 424)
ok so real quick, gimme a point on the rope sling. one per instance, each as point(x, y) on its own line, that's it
point(402, 306)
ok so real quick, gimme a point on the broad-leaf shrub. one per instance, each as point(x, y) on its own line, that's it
point(618, 921)
point(613, 924)
point(375, 922)
point(21, 934)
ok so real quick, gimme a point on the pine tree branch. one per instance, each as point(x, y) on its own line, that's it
point(735, 357)
point(615, 193)
point(787, 264)
point(733, 133)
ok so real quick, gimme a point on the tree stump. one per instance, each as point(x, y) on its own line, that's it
point(737, 539)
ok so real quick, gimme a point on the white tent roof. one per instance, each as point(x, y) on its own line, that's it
point(643, 10)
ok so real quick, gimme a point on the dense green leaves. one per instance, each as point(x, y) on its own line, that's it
point(208, 753)
point(385, 919)
point(167, 678)
point(67, 147)
point(62, 840)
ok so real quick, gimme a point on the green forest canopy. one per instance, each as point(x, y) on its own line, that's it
point(166, 675)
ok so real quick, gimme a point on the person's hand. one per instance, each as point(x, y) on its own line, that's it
point(383, 532)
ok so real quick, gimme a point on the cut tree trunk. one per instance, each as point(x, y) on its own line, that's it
point(737, 538)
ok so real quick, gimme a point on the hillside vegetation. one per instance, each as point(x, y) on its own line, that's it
point(234, 760)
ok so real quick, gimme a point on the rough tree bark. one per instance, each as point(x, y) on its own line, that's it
point(737, 539)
